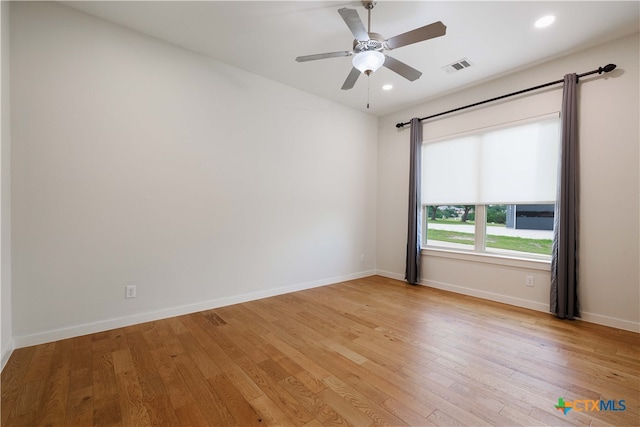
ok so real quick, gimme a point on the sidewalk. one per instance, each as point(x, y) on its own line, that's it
point(494, 231)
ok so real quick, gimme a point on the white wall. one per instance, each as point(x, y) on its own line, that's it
point(609, 276)
point(137, 162)
point(6, 331)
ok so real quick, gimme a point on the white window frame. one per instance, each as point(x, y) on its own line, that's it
point(479, 253)
point(480, 234)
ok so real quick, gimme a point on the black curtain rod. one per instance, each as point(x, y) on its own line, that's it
point(605, 69)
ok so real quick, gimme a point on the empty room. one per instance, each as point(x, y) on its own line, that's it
point(314, 213)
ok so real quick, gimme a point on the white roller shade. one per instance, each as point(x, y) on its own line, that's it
point(514, 163)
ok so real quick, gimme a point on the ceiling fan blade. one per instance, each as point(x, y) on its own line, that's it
point(401, 68)
point(324, 56)
point(427, 32)
point(351, 79)
point(352, 19)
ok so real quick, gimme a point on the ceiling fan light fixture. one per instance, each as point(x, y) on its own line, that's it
point(368, 61)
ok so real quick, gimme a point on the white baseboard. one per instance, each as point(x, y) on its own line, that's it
point(6, 354)
point(610, 321)
point(519, 302)
point(390, 275)
point(94, 327)
point(89, 328)
point(491, 296)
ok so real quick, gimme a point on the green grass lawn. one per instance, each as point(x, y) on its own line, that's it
point(511, 243)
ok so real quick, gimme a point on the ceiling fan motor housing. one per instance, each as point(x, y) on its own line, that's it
point(375, 42)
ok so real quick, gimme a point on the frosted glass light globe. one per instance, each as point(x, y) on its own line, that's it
point(369, 60)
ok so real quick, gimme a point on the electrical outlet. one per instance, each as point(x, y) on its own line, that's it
point(362, 259)
point(529, 281)
point(130, 291)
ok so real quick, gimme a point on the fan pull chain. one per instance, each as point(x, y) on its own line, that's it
point(368, 78)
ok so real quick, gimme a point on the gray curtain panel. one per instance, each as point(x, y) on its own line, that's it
point(414, 229)
point(564, 258)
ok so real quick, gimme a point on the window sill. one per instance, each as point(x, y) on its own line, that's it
point(543, 264)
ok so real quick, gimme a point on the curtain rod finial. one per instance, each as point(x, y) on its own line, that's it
point(607, 68)
point(399, 125)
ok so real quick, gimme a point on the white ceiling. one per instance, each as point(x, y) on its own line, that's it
point(265, 37)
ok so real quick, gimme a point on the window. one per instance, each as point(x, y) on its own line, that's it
point(492, 190)
point(450, 226)
point(522, 229)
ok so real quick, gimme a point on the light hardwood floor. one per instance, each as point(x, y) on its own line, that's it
point(366, 352)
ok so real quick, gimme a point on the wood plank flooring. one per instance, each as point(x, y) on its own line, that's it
point(367, 352)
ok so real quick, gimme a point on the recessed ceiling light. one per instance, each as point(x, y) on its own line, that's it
point(387, 87)
point(545, 21)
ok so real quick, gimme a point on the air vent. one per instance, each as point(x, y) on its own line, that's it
point(457, 66)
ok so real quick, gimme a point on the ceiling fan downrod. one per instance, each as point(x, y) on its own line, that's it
point(368, 4)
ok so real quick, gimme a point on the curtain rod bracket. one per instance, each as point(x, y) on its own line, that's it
point(606, 69)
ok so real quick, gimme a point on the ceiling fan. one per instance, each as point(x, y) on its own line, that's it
point(368, 47)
